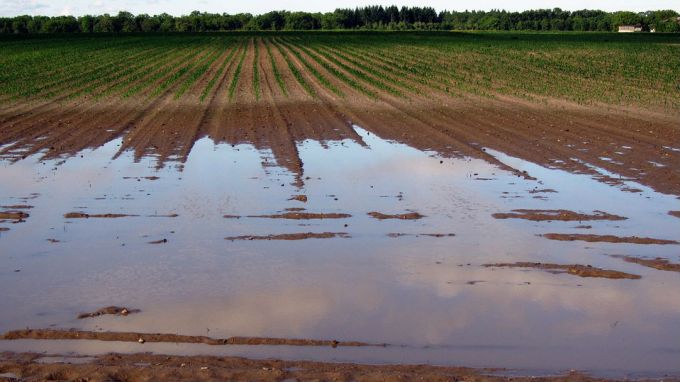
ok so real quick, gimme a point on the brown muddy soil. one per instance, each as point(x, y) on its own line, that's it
point(572, 269)
point(13, 215)
point(18, 207)
point(149, 367)
point(303, 216)
point(113, 310)
point(657, 263)
point(550, 132)
point(674, 213)
point(292, 236)
point(299, 198)
point(404, 216)
point(606, 238)
point(561, 215)
point(52, 334)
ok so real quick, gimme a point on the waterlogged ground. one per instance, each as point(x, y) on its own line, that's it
point(192, 261)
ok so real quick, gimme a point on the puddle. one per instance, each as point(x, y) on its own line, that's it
point(417, 284)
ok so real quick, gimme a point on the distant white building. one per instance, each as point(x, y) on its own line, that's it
point(630, 28)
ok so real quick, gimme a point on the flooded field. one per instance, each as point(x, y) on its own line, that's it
point(339, 206)
point(400, 255)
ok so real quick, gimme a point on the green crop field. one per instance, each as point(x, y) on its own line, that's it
point(633, 70)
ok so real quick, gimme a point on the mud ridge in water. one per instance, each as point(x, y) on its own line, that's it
point(606, 238)
point(303, 216)
point(572, 269)
point(658, 263)
point(405, 216)
point(56, 334)
point(542, 191)
point(142, 177)
point(399, 234)
point(291, 236)
point(17, 207)
point(561, 215)
point(82, 215)
point(113, 310)
point(151, 367)
point(423, 124)
point(13, 215)
point(299, 198)
point(674, 213)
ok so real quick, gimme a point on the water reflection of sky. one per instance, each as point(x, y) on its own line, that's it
point(409, 290)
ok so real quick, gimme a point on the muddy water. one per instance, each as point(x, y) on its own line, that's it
point(429, 297)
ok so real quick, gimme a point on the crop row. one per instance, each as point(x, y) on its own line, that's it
point(377, 66)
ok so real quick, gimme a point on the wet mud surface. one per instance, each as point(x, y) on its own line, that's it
point(550, 215)
point(144, 367)
point(292, 236)
point(658, 263)
point(303, 216)
point(82, 215)
point(607, 239)
point(404, 216)
point(419, 205)
point(48, 334)
point(572, 269)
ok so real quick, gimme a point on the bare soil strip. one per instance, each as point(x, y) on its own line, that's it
point(149, 367)
point(606, 238)
point(292, 236)
point(404, 216)
point(657, 263)
point(674, 213)
point(55, 334)
point(572, 269)
point(113, 310)
point(562, 215)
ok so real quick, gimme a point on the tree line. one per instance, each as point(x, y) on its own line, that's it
point(369, 18)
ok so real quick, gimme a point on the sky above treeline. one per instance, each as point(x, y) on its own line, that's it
point(181, 7)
